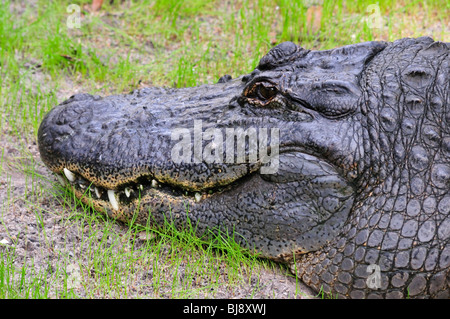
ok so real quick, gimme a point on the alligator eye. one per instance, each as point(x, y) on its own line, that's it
point(262, 91)
point(267, 92)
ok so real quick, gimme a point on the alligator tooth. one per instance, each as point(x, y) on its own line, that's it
point(70, 176)
point(127, 191)
point(154, 183)
point(97, 192)
point(197, 197)
point(112, 199)
point(141, 187)
point(82, 186)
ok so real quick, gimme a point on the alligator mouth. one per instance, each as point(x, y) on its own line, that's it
point(132, 192)
point(158, 187)
point(149, 200)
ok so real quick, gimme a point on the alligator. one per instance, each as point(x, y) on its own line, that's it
point(335, 162)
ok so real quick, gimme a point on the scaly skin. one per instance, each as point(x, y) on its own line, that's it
point(362, 176)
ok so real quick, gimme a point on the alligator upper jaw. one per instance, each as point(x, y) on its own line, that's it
point(161, 185)
point(119, 140)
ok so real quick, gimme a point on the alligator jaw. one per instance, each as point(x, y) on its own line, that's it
point(154, 202)
point(116, 200)
point(126, 139)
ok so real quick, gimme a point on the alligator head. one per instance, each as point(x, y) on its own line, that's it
point(294, 159)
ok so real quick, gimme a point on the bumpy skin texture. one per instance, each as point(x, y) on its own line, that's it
point(363, 171)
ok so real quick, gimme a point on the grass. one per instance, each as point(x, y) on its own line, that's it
point(111, 259)
point(133, 44)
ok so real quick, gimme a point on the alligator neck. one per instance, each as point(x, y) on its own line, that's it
point(394, 229)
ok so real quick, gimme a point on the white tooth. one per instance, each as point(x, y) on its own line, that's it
point(61, 180)
point(127, 192)
point(154, 183)
point(70, 176)
point(97, 192)
point(197, 197)
point(141, 187)
point(112, 199)
point(82, 186)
